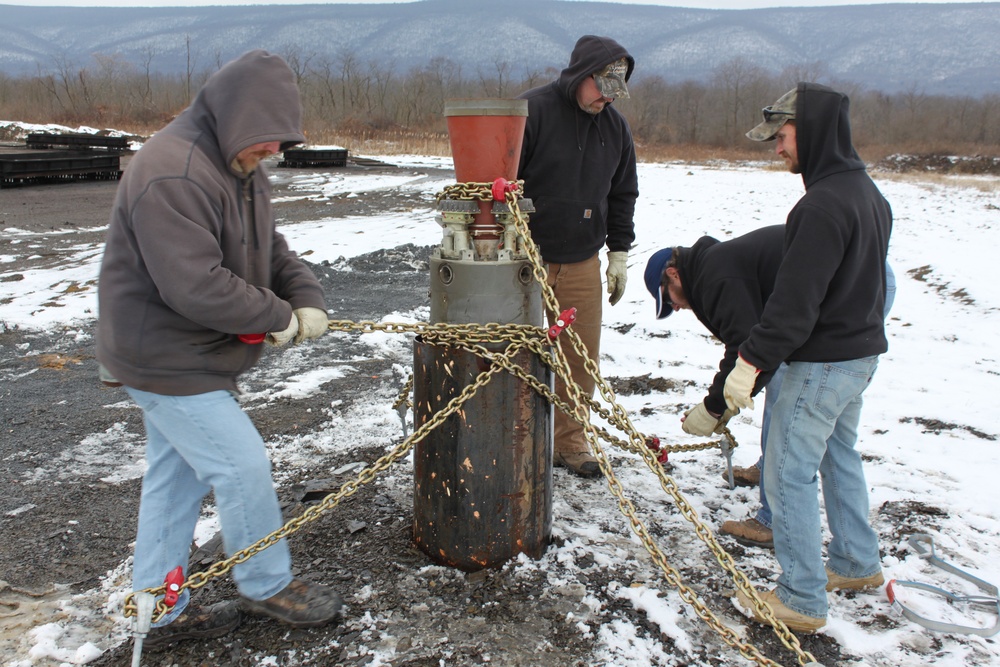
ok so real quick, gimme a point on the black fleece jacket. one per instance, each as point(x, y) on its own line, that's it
point(727, 285)
point(829, 295)
point(579, 169)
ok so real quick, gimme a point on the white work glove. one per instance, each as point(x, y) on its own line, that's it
point(313, 323)
point(279, 338)
point(617, 274)
point(724, 420)
point(739, 385)
point(699, 421)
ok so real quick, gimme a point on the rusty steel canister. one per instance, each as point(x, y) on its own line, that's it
point(482, 478)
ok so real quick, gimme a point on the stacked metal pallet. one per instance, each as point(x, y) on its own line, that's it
point(92, 158)
point(314, 157)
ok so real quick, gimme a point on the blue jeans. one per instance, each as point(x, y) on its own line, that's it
point(763, 515)
point(196, 444)
point(814, 428)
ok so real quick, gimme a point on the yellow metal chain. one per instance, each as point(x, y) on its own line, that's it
point(199, 579)
point(638, 441)
point(471, 337)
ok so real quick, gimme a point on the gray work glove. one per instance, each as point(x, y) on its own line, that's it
point(279, 338)
point(313, 323)
point(617, 274)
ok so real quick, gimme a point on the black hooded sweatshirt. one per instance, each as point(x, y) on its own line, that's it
point(727, 285)
point(829, 295)
point(579, 169)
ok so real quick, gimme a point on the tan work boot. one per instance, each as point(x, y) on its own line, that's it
point(749, 476)
point(795, 621)
point(835, 582)
point(749, 532)
point(579, 463)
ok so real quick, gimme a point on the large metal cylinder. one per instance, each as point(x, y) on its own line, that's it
point(483, 477)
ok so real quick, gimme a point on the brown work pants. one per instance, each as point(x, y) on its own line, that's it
point(577, 286)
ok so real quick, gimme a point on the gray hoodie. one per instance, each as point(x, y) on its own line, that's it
point(192, 256)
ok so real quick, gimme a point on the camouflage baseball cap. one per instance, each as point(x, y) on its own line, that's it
point(611, 80)
point(775, 116)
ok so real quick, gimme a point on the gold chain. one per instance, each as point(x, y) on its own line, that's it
point(471, 337)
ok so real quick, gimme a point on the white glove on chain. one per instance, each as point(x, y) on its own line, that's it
point(617, 274)
point(279, 338)
point(739, 385)
point(699, 421)
point(724, 419)
point(313, 323)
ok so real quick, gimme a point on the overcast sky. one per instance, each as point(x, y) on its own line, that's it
point(703, 4)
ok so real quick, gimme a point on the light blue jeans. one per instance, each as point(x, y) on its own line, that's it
point(763, 515)
point(196, 444)
point(814, 428)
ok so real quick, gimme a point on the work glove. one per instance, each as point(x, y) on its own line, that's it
point(279, 338)
point(313, 323)
point(724, 420)
point(699, 421)
point(617, 274)
point(739, 385)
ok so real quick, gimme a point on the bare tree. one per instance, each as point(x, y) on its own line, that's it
point(739, 82)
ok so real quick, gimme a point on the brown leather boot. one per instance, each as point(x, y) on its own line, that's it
point(195, 623)
point(749, 532)
point(300, 604)
point(749, 476)
point(579, 463)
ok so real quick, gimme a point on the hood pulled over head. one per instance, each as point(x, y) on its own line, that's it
point(253, 99)
point(591, 55)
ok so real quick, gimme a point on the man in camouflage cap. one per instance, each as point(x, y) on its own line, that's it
point(578, 167)
point(825, 320)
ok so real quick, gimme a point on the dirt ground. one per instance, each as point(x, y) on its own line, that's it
point(81, 528)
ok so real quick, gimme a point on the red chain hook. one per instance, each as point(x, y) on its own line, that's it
point(566, 318)
point(654, 443)
point(173, 581)
point(501, 187)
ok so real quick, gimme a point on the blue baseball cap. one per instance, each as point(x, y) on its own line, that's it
point(654, 275)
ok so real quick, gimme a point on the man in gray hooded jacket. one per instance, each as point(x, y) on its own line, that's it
point(194, 273)
point(578, 167)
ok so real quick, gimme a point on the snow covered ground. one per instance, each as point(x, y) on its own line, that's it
point(929, 429)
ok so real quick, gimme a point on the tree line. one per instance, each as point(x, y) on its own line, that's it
point(344, 95)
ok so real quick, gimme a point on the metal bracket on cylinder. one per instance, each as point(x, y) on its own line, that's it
point(511, 249)
point(455, 216)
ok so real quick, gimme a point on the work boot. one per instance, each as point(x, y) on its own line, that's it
point(195, 623)
point(300, 604)
point(749, 532)
point(835, 582)
point(749, 476)
point(795, 621)
point(579, 463)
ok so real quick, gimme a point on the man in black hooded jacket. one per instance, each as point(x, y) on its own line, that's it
point(825, 318)
point(578, 166)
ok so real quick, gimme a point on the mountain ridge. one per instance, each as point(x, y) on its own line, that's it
point(933, 48)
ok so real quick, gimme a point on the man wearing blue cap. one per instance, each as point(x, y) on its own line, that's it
point(726, 285)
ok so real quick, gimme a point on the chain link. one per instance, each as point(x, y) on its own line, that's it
point(472, 337)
